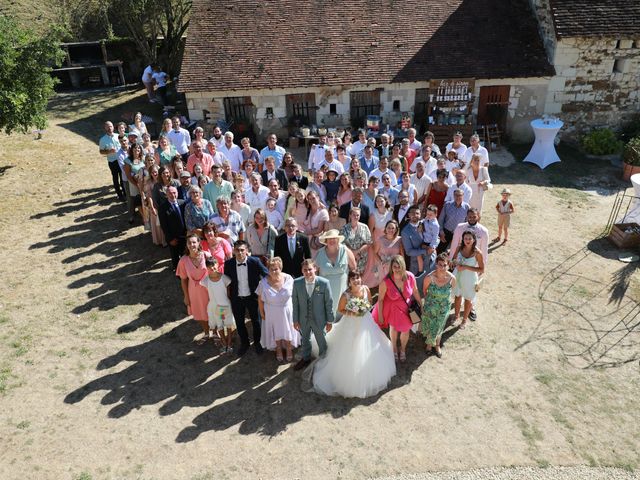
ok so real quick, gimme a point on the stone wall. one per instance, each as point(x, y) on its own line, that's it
point(198, 103)
point(596, 84)
point(542, 11)
point(527, 98)
point(527, 101)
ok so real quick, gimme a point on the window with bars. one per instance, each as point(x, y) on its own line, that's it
point(301, 108)
point(237, 109)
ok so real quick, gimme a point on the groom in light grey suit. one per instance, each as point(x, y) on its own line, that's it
point(312, 310)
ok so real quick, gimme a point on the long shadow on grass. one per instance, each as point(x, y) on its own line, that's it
point(131, 270)
point(98, 102)
point(255, 394)
point(595, 324)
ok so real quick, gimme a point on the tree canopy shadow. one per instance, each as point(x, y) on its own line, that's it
point(99, 105)
point(595, 324)
point(251, 393)
point(115, 279)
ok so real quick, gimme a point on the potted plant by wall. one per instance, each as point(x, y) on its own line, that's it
point(602, 144)
point(631, 158)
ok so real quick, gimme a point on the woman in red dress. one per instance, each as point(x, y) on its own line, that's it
point(218, 247)
point(395, 305)
point(438, 190)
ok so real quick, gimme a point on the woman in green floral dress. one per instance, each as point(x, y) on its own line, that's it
point(437, 303)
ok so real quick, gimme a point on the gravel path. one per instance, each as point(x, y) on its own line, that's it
point(526, 473)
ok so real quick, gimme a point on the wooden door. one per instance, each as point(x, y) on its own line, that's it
point(421, 109)
point(493, 106)
point(240, 114)
point(301, 109)
point(363, 104)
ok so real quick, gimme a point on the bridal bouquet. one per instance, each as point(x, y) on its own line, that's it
point(358, 306)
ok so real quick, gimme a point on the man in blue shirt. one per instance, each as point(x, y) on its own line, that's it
point(452, 214)
point(430, 237)
point(109, 146)
point(412, 240)
point(271, 150)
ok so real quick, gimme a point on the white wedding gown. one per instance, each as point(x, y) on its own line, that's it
point(359, 360)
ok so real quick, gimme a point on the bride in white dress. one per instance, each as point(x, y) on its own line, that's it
point(359, 360)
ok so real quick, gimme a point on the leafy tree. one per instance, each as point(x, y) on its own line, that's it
point(26, 85)
point(156, 26)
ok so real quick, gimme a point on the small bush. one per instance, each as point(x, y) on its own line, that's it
point(632, 152)
point(631, 129)
point(601, 142)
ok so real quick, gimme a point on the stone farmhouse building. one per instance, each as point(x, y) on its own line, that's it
point(594, 46)
point(443, 65)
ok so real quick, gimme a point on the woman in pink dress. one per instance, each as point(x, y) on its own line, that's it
point(218, 247)
point(345, 190)
point(314, 223)
point(385, 247)
point(299, 210)
point(394, 305)
point(191, 269)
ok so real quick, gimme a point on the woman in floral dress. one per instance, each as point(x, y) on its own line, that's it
point(437, 303)
point(357, 238)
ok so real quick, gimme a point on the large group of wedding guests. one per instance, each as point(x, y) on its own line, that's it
point(298, 245)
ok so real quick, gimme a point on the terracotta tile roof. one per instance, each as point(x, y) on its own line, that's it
point(248, 44)
point(593, 18)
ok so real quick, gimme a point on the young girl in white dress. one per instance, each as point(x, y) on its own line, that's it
point(359, 360)
point(219, 308)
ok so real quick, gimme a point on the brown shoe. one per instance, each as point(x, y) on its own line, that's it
point(302, 364)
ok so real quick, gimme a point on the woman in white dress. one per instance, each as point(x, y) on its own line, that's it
point(276, 308)
point(379, 217)
point(359, 360)
point(478, 179)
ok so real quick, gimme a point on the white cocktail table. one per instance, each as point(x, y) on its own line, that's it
point(543, 153)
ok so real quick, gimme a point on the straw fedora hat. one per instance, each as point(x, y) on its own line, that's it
point(333, 233)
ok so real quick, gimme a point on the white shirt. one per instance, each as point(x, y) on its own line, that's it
point(357, 147)
point(429, 166)
point(218, 158)
point(233, 154)
point(482, 238)
point(421, 183)
point(291, 244)
point(243, 279)
point(257, 199)
point(415, 145)
point(402, 211)
point(460, 150)
point(316, 156)
point(466, 189)
point(310, 287)
point(281, 201)
point(335, 165)
point(147, 75)
point(378, 174)
point(217, 141)
point(483, 152)
point(180, 139)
